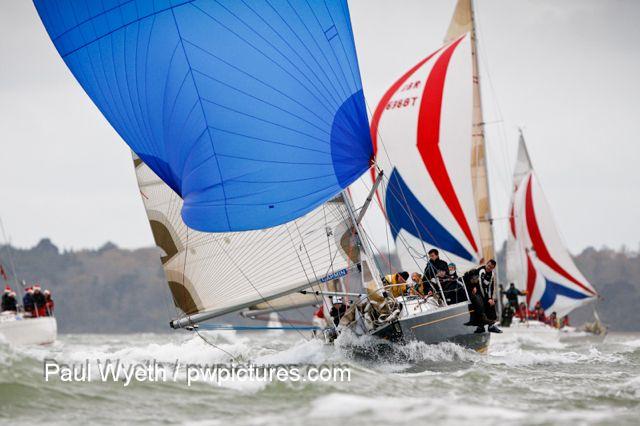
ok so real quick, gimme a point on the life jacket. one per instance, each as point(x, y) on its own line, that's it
point(396, 290)
point(42, 311)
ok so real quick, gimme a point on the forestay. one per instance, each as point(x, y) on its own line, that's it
point(225, 272)
point(546, 270)
point(251, 112)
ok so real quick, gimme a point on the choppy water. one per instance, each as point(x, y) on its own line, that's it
point(519, 381)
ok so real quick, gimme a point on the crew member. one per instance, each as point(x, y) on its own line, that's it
point(27, 301)
point(399, 278)
point(337, 310)
point(39, 301)
point(453, 291)
point(507, 316)
point(512, 294)
point(419, 286)
point(522, 313)
point(434, 266)
point(9, 302)
point(452, 273)
point(48, 303)
point(476, 308)
point(538, 313)
point(485, 287)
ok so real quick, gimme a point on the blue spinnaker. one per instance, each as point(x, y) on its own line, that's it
point(251, 110)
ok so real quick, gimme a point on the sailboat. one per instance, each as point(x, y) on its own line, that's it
point(428, 132)
point(538, 262)
point(430, 127)
point(248, 125)
point(16, 326)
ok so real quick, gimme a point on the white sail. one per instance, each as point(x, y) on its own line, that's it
point(539, 261)
point(226, 272)
point(425, 121)
point(515, 259)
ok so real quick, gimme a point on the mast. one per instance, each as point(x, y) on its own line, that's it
point(370, 272)
point(462, 22)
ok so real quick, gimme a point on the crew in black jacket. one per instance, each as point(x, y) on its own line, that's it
point(435, 265)
point(9, 302)
point(481, 286)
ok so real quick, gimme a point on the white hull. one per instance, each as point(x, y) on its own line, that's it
point(573, 335)
point(16, 330)
point(531, 327)
point(539, 330)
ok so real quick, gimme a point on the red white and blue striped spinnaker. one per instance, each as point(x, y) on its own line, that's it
point(425, 123)
point(538, 260)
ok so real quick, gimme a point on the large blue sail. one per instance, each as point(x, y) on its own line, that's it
point(251, 110)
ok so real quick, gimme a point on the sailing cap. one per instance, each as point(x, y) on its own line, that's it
point(46, 291)
point(7, 289)
point(36, 287)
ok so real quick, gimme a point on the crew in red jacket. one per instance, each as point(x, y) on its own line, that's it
point(523, 312)
point(39, 301)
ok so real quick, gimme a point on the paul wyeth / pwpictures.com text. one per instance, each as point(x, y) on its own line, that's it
point(153, 371)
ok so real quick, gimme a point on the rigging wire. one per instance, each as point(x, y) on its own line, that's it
point(233, 357)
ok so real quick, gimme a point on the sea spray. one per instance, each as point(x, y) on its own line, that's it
point(522, 381)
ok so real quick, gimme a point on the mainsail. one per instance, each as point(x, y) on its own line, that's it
point(537, 260)
point(252, 112)
point(430, 123)
point(226, 272)
point(247, 120)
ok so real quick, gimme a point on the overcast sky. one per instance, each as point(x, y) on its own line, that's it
point(568, 71)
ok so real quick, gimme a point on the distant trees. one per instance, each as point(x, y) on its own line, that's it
point(113, 290)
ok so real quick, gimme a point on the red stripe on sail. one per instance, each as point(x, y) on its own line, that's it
point(512, 219)
point(532, 275)
point(429, 139)
point(538, 243)
point(375, 120)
